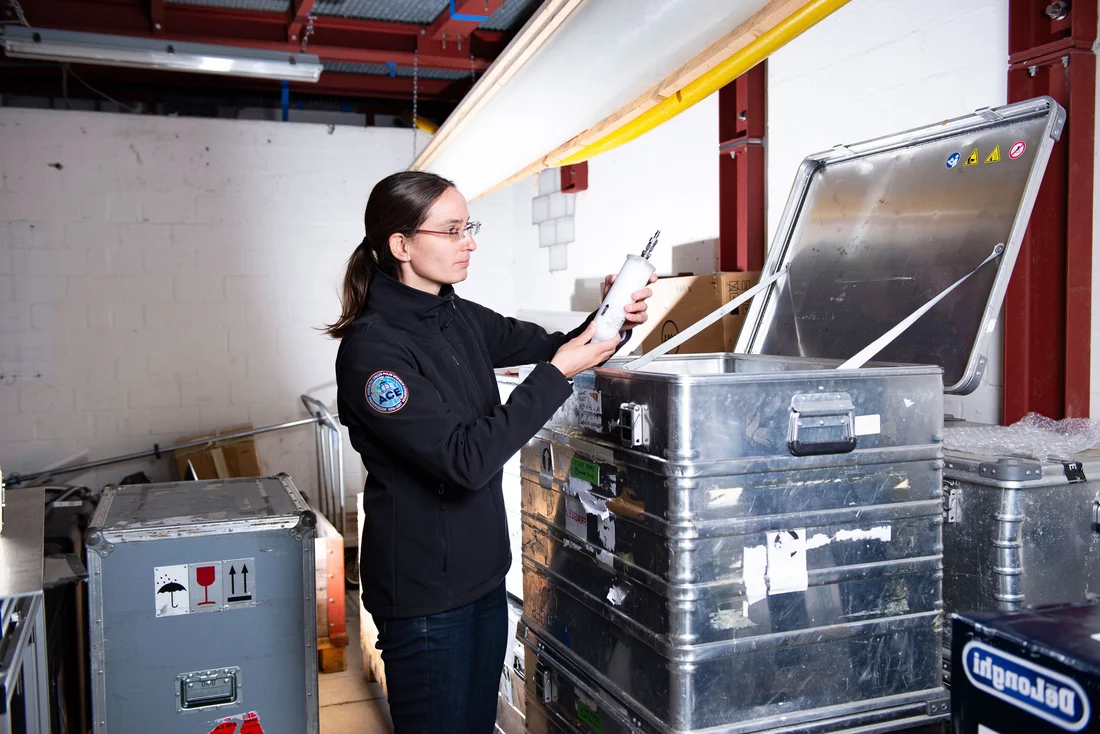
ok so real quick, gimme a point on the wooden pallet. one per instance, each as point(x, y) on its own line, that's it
point(331, 659)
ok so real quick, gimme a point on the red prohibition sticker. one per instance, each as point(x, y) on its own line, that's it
point(249, 723)
point(1017, 150)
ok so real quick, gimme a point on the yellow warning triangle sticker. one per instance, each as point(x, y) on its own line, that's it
point(973, 159)
point(994, 156)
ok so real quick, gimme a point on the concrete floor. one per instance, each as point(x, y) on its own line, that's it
point(349, 703)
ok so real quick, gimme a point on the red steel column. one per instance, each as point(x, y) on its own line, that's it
point(1048, 307)
point(741, 125)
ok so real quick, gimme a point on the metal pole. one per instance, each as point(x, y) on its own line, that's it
point(340, 480)
point(158, 451)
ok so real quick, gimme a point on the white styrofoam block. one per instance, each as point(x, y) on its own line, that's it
point(564, 230)
point(540, 209)
point(550, 181)
point(570, 204)
point(558, 257)
point(557, 205)
point(548, 233)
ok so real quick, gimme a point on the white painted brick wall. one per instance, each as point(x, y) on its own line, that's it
point(169, 278)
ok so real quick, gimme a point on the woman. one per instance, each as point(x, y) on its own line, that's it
point(419, 398)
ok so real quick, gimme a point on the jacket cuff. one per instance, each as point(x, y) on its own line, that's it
point(558, 386)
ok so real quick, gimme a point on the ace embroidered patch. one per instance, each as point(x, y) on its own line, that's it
point(386, 392)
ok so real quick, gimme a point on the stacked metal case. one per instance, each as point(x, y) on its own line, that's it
point(752, 542)
point(202, 608)
point(1019, 533)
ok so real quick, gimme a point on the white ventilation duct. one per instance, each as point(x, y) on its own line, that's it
point(601, 55)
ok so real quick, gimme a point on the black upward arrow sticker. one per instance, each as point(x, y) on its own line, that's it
point(244, 577)
point(232, 580)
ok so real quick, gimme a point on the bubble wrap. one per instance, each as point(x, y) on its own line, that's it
point(1034, 436)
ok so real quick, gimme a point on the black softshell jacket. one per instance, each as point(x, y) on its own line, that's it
point(419, 398)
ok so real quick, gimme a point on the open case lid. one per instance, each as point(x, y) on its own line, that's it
point(873, 231)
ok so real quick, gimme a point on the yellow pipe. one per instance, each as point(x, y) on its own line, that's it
point(427, 125)
point(761, 48)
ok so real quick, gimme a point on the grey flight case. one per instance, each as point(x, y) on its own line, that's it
point(752, 542)
point(1019, 533)
point(202, 608)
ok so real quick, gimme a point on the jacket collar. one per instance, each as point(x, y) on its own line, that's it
point(404, 303)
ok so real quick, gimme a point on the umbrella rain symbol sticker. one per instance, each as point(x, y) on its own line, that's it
point(170, 590)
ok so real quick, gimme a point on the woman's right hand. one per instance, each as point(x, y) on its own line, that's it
point(577, 355)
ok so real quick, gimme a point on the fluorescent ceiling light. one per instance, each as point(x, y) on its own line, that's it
point(149, 53)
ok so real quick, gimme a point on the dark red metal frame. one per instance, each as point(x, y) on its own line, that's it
point(333, 39)
point(742, 123)
point(1048, 308)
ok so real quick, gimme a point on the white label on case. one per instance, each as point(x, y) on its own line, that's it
point(755, 566)
point(576, 519)
point(607, 533)
point(868, 425)
point(787, 561)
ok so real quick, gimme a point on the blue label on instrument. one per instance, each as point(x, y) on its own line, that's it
point(1050, 696)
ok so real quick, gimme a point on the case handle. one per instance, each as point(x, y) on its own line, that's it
point(828, 417)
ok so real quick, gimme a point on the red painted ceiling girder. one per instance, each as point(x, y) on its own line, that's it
point(156, 17)
point(334, 39)
point(1048, 307)
point(741, 124)
point(298, 13)
point(446, 26)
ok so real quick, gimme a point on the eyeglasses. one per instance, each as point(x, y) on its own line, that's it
point(455, 233)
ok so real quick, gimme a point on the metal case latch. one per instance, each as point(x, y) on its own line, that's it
point(821, 423)
point(634, 425)
point(951, 500)
point(547, 684)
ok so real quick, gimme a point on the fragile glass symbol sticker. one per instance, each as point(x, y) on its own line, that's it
point(205, 588)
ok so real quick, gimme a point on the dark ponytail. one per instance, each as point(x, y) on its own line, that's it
point(398, 204)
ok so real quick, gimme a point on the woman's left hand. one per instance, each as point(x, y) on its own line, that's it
point(636, 311)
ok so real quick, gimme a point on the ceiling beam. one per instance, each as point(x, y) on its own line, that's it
point(461, 18)
point(334, 39)
point(298, 14)
point(156, 17)
point(385, 87)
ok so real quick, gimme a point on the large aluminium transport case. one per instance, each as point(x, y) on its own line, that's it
point(749, 542)
point(1019, 532)
point(202, 608)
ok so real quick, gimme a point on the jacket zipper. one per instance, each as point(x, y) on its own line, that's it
point(443, 528)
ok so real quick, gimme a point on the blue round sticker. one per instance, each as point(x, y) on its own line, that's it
point(953, 160)
point(386, 392)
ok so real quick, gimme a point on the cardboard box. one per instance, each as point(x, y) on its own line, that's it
point(679, 302)
point(1033, 671)
point(220, 459)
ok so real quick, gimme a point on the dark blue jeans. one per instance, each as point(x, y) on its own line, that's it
point(443, 670)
